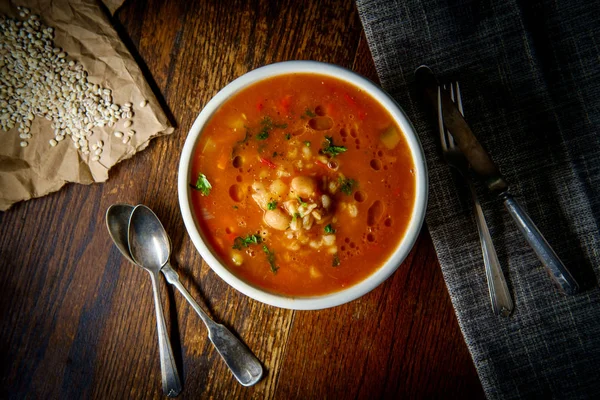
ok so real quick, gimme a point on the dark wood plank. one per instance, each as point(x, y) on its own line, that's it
point(76, 320)
point(400, 339)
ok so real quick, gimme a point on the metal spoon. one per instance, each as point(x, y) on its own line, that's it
point(243, 364)
point(117, 220)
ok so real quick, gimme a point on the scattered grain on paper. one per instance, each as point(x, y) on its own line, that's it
point(143, 103)
point(40, 80)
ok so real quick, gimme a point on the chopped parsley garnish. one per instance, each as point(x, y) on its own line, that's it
point(262, 135)
point(329, 229)
point(235, 207)
point(272, 205)
point(270, 259)
point(309, 113)
point(267, 125)
point(307, 143)
point(301, 201)
point(202, 185)
point(336, 261)
point(288, 136)
point(296, 216)
point(330, 148)
point(240, 242)
point(347, 185)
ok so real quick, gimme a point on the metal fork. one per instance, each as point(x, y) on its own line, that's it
point(500, 298)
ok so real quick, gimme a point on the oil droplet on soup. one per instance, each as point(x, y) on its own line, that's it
point(307, 173)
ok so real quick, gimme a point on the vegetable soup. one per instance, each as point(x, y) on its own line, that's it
point(304, 184)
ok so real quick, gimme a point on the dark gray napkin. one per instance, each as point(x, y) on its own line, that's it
point(530, 79)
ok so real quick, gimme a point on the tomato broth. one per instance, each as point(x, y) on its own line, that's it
point(305, 184)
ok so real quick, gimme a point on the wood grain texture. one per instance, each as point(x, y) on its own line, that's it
point(77, 320)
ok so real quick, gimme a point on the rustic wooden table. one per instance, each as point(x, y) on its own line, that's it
point(77, 320)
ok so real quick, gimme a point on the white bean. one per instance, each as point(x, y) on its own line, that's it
point(277, 219)
point(304, 186)
point(278, 188)
point(306, 153)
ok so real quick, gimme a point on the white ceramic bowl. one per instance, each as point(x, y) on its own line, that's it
point(314, 302)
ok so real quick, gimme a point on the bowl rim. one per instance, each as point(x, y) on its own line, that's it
point(421, 190)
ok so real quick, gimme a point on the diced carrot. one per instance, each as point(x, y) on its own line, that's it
point(286, 102)
point(267, 163)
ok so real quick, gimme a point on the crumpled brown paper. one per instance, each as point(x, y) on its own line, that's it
point(84, 31)
point(112, 5)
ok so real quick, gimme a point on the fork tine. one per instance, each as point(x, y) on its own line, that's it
point(459, 98)
point(451, 143)
point(440, 116)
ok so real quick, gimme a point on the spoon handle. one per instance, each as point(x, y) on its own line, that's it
point(243, 364)
point(170, 377)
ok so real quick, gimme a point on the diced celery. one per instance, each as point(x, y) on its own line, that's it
point(390, 137)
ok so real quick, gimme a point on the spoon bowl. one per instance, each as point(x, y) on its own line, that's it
point(117, 220)
point(149, 244)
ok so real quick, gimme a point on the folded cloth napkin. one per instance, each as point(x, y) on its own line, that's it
point(530, 81)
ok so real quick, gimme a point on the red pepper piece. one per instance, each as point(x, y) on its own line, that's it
point(267, 163)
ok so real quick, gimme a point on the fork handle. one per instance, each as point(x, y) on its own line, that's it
point(500, 298)
point(556, 269)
